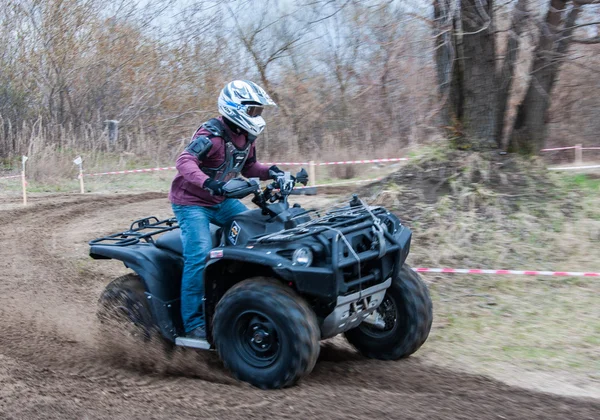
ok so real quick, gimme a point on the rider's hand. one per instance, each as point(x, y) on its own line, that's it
point(215, 187)
point(275, 172)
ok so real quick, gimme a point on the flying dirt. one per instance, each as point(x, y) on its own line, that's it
point(53, 366)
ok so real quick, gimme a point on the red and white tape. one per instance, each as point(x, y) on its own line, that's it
point(341, 162)
point(10, 177)
point(506, 272)
point(558, 148)
point(287, 163)
point(335, 184)
point(355, 162)
point(568, 148)
point(133, 171)
point(566, 168)
point(171, 168)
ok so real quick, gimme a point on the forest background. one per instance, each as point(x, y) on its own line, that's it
point(352, 79)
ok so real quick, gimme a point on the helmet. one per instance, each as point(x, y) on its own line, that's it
point(242, 103)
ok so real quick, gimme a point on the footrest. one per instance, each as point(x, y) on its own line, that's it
point(192, 342)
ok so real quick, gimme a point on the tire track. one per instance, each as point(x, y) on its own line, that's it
point(50, 365)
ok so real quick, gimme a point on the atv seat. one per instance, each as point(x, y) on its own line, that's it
point(171, 241)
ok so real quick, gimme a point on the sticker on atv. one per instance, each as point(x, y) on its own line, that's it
point(234, 232)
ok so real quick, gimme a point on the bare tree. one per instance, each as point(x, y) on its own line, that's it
point(530, 130)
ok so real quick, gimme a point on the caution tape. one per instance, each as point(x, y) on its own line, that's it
point(341, 162)
point(133, 171)
point(357, 162)
point(335, 184)
point(287, 163)
point(558, 168)
point(558, 148)
point(569, 148)
point(171, 168)
point(506, 272)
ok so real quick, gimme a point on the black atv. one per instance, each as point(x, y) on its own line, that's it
point(278, 280)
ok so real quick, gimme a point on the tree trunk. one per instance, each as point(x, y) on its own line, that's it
point(529, 131)
point(479, 75)
point(506, 73)
point(447, 65)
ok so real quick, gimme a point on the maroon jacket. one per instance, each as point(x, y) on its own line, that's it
point(188, 186)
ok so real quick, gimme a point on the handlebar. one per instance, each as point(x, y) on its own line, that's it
point(278, 190)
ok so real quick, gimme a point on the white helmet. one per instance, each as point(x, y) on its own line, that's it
point(242, 103)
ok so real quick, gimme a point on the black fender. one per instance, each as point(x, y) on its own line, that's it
point(160, 271)
point(229, 265)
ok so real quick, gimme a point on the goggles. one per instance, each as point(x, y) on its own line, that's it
point(254, 110)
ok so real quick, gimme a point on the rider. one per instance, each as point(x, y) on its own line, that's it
point(220, 150)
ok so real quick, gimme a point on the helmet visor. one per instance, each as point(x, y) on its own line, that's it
point(254, 110)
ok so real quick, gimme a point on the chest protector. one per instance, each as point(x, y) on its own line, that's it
point(235, 158)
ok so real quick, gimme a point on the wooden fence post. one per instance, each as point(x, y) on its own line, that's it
point(79, 162)
point(23, 180)
point(312, 173)
point(578, 154)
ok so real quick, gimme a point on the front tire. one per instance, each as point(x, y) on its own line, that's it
point(407, 313)
point(266, 334)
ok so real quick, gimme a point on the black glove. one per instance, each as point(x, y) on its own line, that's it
point(274, 172)
point(215, 187)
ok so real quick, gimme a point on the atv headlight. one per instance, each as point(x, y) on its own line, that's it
point(302, 256)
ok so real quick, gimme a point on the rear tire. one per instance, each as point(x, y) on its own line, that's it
point(407, 312)
point(266, 334)
point(125, 316)
point(124, 302)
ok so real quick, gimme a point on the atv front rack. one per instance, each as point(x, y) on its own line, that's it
point(360, 245)
point(140, 230)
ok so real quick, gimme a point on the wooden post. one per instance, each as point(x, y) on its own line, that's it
point(79, 162)
point(312, 173)
point(81, 187)
point(23, 180)
point(24, 184)
point(578, 154)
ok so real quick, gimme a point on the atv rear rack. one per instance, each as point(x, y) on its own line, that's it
point(142, 229)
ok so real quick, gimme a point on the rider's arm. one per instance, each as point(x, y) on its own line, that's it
point(255, 169)
point(189, 167)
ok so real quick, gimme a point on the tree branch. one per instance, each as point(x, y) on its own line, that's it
point(585, 24)
point(595, 40)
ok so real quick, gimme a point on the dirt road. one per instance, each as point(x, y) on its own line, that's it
point(51, 365)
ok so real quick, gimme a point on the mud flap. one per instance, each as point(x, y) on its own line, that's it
point(167, 316)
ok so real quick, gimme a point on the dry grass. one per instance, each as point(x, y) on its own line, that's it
point(468, 212)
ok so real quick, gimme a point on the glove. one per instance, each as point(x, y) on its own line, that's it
point(274, 172)
point(215, 187)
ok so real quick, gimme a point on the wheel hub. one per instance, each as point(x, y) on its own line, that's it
point(258, 340)
point(383, 320)
point(261, 337)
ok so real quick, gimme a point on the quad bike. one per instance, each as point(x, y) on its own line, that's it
point(278, 280)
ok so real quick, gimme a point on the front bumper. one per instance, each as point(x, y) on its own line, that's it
point(342, 274)
point(351, 310)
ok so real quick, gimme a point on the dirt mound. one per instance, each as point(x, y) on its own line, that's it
point(51, 366)
point(466, 181)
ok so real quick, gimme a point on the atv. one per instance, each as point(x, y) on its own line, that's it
point(279, 279)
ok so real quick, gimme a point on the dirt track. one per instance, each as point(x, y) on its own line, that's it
point(51, 365)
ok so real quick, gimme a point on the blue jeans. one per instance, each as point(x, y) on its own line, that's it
point(197, 242)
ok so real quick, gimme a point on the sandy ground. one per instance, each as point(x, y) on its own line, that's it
point(53, 367)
